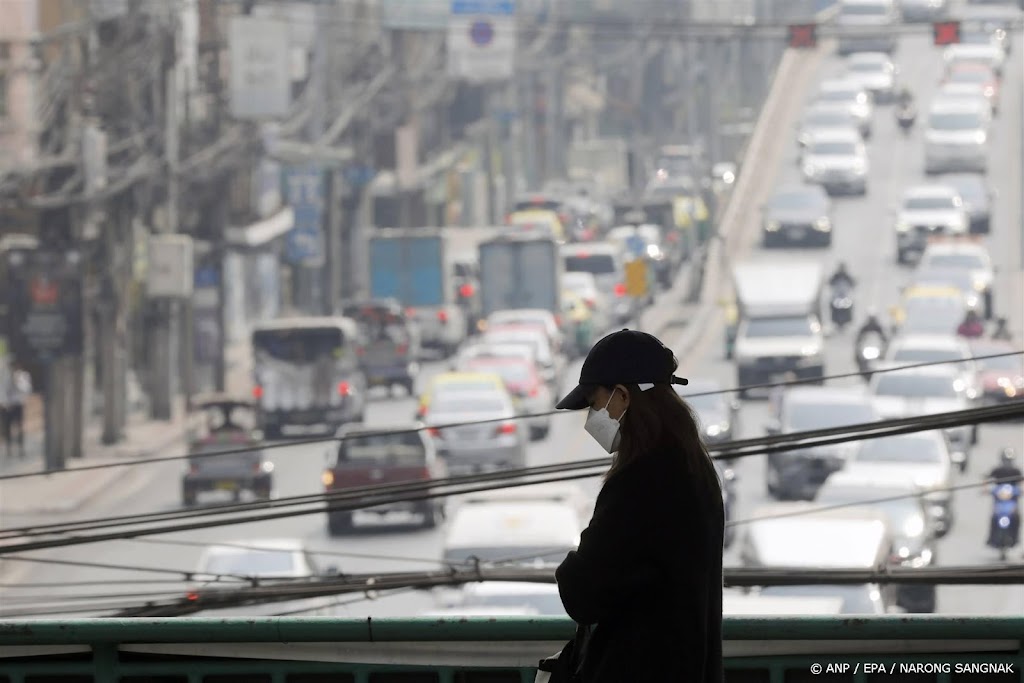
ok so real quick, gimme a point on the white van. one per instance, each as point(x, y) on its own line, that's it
point(867, 26)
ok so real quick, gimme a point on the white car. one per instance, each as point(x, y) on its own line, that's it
point(838, 161)
point(514, 532)
point(529, 316)
point(927, 211)
point(910, 349)
point(966, 88)
point(924, 391)
point(923, 10)
point(922, 458)
point(851, 94)
point(822, 118)
point(956, 136)
point(875, 72)
point(970, 256)
point(989, 55)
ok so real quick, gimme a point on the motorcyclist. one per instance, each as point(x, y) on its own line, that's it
point(972, 326)
point(1001, 333)
point(905, 99)
point(871, 326)
point(841, 277)
point(1007, 471)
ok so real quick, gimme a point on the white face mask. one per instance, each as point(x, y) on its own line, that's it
point(604, 428)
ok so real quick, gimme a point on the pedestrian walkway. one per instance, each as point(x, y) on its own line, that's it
point(68, 491)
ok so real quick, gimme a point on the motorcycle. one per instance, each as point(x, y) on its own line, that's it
point(842, 306)
point(906, 115)
point(1005, 530)
point(869, 351)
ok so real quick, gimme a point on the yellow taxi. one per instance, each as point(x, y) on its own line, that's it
point(539, 222)
point(456, 382)
point(929, 309)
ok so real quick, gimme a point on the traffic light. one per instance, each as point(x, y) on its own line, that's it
point(803, 36)
point(946, 32)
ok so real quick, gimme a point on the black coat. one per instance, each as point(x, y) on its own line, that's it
point(648, 572)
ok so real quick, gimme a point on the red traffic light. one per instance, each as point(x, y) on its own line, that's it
point(802, 36)
point(946, 32)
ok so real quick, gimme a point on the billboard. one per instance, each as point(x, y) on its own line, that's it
point(261, 85)
point(44, 295)
point(482, 40)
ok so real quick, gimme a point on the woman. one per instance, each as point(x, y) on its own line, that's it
point(645, 584)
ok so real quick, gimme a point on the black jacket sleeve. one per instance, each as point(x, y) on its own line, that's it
point(614, 561)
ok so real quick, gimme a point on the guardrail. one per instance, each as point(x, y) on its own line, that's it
point(939, 649)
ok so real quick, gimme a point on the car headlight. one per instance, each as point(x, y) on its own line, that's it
point(772, 226)
point(902, 226)
point(860, 168)
point(980, 137)
point(809, 351)
point(913, 527)
point(823, 224)
point(716, 429)
point(810, 170)
point(979, 285)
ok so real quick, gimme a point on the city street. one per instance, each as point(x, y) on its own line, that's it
point(864, 239)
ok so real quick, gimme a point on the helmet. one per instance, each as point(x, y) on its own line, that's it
point(1007, 456)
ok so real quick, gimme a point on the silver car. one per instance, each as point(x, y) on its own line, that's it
point(875, 72)
point(838, 161)
point(843, 91)
point(968, 256)
point(498, 443)
point(956, 136)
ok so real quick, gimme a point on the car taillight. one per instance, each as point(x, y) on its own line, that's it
point(257, 391)
point(344, 389)
point(433, 431)
point(402, 349)
point(192, 597)
point(425, 473)
point(466, 290)
point(620, 289)
point(507, 428)
point(442, 316)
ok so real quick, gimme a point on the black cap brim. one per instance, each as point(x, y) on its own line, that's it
point(575, 399)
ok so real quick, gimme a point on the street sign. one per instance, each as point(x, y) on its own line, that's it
point(305, 187)
point(260, 78)
point(802, 36)
point(636, 278)
point(44, 290)
point(482, 40)
point(946, 32)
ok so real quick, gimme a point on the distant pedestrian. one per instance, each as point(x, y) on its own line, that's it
point(19, 390)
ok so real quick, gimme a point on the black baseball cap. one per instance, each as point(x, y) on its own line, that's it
point(623, 357)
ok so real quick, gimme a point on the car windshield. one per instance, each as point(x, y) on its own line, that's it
point(845, 96)
point(863, 10)
point(908, 448)
point(796, 200)
point(898, 511)
point(969, 76)
point(933, 319)
point(868, 67)
point(955, 121)
point(779, 327)
point(926, 355)
point(856, 599)
point(820, 415)
point(833, 148)
point(250, 562)
point(398, 448)
point(916, 386)
point(932, 203)
point(598, 264)
point(969, 261)
point(975, 38)
point(471, 404)
point(511, 373)
point(299, 345)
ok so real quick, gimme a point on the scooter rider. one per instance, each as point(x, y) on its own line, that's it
point(841, 277)
point(1007, 472)
point(871, 326)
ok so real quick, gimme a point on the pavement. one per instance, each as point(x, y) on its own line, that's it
point(69, 490)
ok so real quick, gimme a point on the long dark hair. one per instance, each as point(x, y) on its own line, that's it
point(659, 421)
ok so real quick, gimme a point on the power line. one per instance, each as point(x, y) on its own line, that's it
point(470, 423)
point(188, 575)
point(411, 491)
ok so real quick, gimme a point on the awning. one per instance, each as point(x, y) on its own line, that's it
point(264, 231)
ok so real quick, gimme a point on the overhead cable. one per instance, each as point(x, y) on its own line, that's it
point(469, 423)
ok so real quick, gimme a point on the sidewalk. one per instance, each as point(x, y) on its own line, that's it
point(68, 491)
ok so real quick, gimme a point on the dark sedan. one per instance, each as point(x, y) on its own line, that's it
point(977, 198)
point(797, 215)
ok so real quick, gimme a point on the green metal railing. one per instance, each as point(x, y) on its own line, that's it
point(941, 649)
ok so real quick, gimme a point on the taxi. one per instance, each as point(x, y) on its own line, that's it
point(456, 382)
point(931, 298)
point(540, 222)
point(968, 254)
